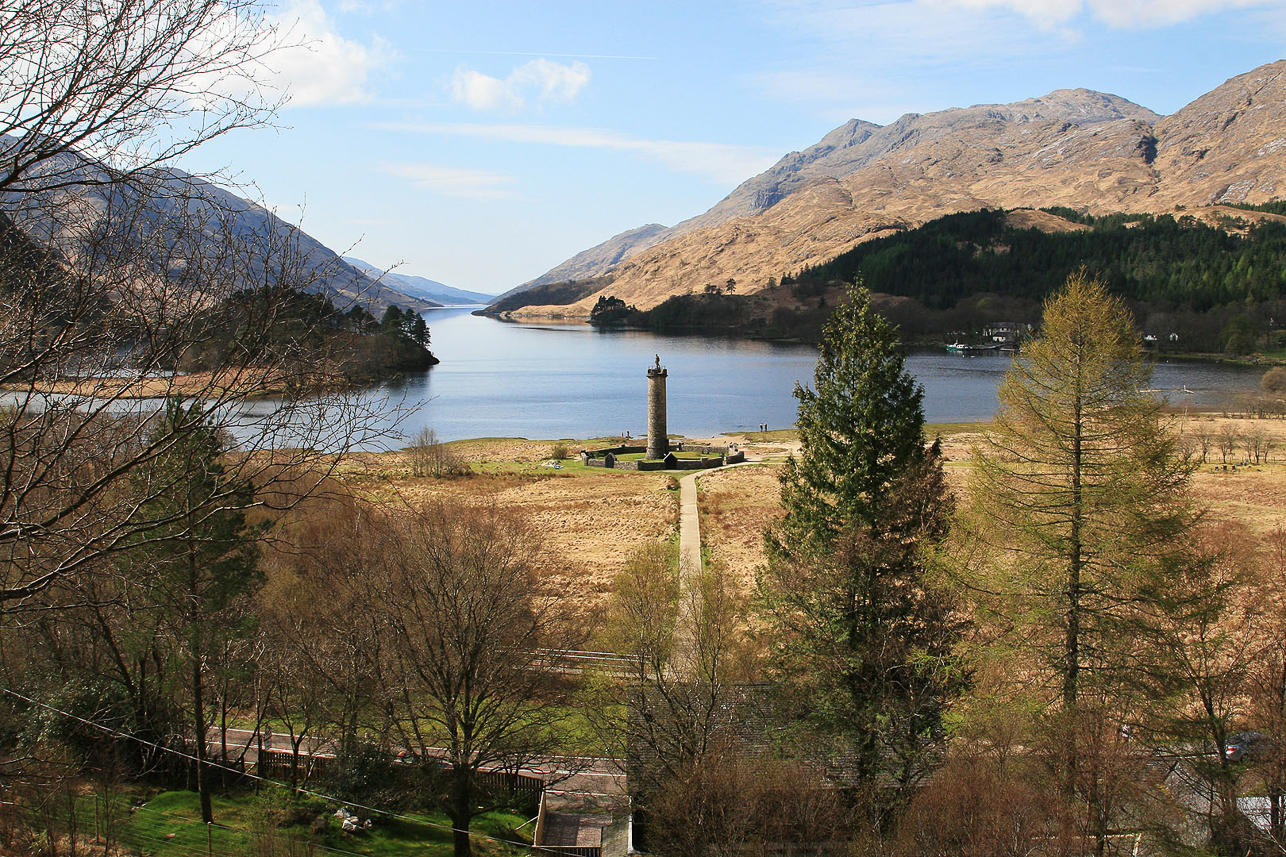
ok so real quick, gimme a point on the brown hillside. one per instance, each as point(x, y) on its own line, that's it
point(1075, 148)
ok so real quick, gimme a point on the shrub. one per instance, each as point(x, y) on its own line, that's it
point(366, 774)
point(432, 457)
point(1274, 380)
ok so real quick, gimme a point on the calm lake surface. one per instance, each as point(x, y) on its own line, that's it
point(501, 379)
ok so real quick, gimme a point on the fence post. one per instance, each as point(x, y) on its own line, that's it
point(539, 838)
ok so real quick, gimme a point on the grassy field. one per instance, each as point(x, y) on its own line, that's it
point(590, 518)
point(272, 822)
point(642, 456)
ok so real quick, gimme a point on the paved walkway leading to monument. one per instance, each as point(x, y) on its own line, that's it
point(689, 526)
point(690, 560)
point(689, 568)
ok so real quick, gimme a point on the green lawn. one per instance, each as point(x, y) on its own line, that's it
point(932, 430)
point(169, 825)
point(642, 456)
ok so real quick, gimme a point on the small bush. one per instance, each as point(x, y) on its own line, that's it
point(432, 457)
point(366, 774)
point(1274, 380)
point(558, 451)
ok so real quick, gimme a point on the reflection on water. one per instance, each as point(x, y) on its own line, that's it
point(548, 380)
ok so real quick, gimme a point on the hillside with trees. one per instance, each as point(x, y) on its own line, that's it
point(1216, 287)
point(1087, 151)
point(358, 347)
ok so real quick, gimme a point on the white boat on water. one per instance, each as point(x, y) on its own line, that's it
point(961, 348)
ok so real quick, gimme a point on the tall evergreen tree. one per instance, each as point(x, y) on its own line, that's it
point(1080, 483)
point(863, 641)
point(199, 566)
point(1080, 504)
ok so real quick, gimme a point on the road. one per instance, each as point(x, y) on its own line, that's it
point(573, 779)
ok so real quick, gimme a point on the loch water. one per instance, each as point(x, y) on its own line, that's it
point(550, 380)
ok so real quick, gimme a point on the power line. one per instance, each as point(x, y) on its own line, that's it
point(300, 789)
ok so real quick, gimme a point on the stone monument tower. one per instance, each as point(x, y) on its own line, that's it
point(658, 443)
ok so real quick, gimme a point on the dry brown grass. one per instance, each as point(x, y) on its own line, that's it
point(737, 505)
point(1253, 496)
point(591, 519)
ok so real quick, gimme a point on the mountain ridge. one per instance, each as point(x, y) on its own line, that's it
point(86, 197)
point(1086, 150)
point(421, 287)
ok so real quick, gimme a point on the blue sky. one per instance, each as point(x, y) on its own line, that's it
point(480, 144)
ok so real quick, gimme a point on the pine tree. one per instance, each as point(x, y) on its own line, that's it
point(203, 561)
point(863, 643)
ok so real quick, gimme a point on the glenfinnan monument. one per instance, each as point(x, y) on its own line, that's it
point(658, 443)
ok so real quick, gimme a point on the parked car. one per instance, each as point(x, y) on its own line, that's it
point(1247, 745)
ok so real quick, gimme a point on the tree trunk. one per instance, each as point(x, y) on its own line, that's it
point(1072, 641)
point(460, 811)
point(198, 714)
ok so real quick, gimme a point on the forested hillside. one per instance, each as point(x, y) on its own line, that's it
point(1183, 262)
point(358, 347)
point(1213, 287)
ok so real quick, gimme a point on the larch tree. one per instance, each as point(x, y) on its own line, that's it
point(1079, 482)
point(864, 642)
point(1079, 497)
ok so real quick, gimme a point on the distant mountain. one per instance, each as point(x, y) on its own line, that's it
point(421, 287)
point(185, 208)
point(598, 259)
point(1089, 151)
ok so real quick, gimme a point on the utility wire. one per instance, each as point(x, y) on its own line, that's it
point(310, 792)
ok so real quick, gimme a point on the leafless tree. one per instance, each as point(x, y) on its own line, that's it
point(323, 640)
point(85, 358)
point(699, 738)
point(112, 265)
point(734, 803)
point(1226, 440)
point(685, 661)
point(1255, 442)
point(134, 83)
point(465, 660)
point(116, 271)
point(1203, 439)
point(431, 457)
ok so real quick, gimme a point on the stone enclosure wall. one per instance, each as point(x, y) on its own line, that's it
point(711, 456)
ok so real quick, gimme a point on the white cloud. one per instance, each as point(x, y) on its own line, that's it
point(1051, 14)
point(367, 6)
point(719, 162)
point(1155, 13)
point(540, 81)
point(466, 184)
point(319, 66)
